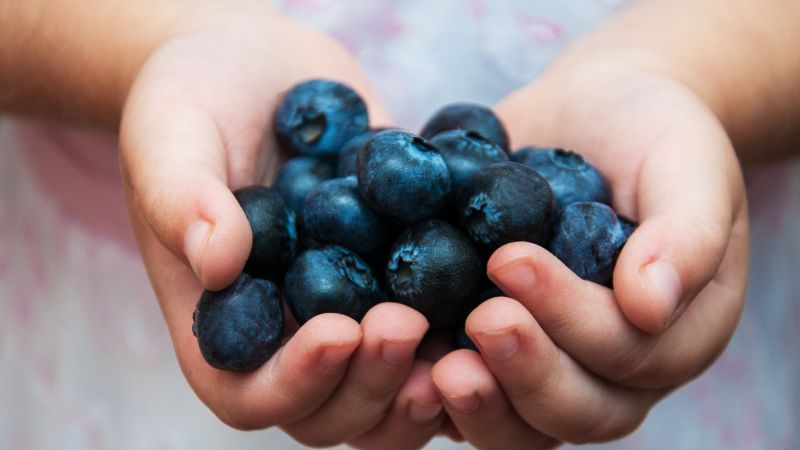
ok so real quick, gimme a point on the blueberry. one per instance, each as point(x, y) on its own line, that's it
point(333, 279)
point(317, 117)
point(306, 241)
point(628, 226)
point(240, 327)
point(467, 116)
point(506, 202)
point(336, 213)
point(466, 153)
point(402, 175)
point(298, 177)
point(462, 340)
point(572, 178)
point(349, 154)
point(274, 231)
point(588, 238)
point(434, 269)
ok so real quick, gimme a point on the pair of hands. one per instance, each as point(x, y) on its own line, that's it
point(562, 359)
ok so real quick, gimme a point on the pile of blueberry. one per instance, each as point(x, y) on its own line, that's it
point(360, 216)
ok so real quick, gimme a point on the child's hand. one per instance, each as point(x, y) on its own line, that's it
point(570, 360)
point(194, 129)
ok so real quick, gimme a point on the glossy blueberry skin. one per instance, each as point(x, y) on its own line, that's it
point(507, 202)
point(588, 238)
point(240, 327)
point(402, 175)
point(349, 154)
point(466, 153)
point(467, 116)
point(335, 213)
point(318, 117)
point(274, 231)
point(435, 269)
point(571, 176)
point(298, 177)
point(331, 279)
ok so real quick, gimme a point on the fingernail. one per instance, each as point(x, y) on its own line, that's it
point(422, 414)
point(194, 241)
point(498, 346)
point(665, 284)
point(516, 278)
point(396, 352)
point(463, 405)
point(336, 356)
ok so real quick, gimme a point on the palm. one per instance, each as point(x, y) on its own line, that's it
point(661, 150)
point(197, 125)
point(597, 359)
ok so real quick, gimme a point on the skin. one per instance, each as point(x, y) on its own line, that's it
point(187, 141)
point(659, 108)
point(656, 98)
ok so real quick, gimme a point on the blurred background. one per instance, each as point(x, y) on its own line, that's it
point(85, 359)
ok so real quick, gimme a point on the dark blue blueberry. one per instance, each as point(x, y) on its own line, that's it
point(306, 241)
point(507, 202)
point(466, 153)
point(274, 231)
point(462, 340)
point(628, 226)
point(572, 178)
point(588, 238)
point(349, 154)
point(467, 116)
point(331, 279)
point(434, 269)
point(317, 117)
point(240, 327)
point(298, 177)
point(335, 213)
point(486, 294)
point(402, 175)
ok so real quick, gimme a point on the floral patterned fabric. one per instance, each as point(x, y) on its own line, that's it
point(85, 359)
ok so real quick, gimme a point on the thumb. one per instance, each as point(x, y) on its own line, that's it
point(175, 163)
point(690, 191)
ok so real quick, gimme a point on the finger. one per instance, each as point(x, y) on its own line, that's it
point(689, 193)
point(413, 419)
point(584, 319)
point(378, 369)
point(449, 429)
point(479, 408)
point(292, 384)
point(549, 390)
point(174, 162)
point(436, 344)
point(672, 168)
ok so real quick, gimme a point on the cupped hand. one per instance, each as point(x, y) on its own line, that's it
point(563, 359)
point(197, 125)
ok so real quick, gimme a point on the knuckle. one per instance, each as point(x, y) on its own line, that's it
point(606, 427)
point(314, 440)
point(651, 368)
point(240, 421)
point(632, 368)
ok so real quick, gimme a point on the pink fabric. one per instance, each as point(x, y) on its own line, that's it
point(85, 360)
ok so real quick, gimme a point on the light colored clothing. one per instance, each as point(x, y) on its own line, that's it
point(85, 359)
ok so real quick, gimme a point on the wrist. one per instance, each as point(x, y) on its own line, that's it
point(721, 52)
point(82, 66)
